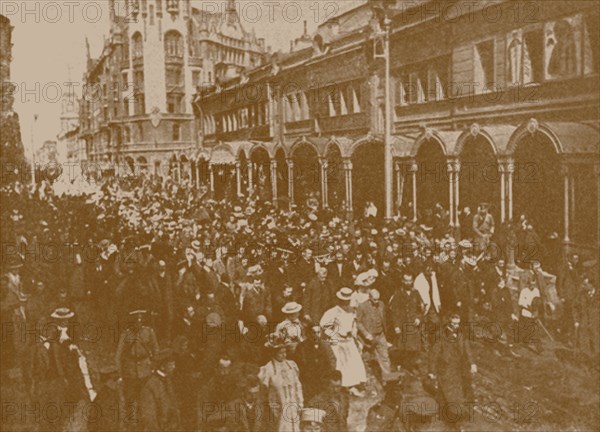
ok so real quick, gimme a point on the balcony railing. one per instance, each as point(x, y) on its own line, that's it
point(344, 123)
point(301, 127)
point(195, 61)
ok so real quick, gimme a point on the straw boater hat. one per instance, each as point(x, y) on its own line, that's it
point(344, 293)
point(138, 312)
point(291, 308)
point(62, 314)
point(255, 270)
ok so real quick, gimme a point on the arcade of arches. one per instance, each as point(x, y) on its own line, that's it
point(523, 172)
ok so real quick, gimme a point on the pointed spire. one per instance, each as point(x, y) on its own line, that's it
point(111, 8)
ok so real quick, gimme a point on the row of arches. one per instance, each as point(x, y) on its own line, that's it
point(524, 170)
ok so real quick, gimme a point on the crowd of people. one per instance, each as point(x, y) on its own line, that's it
point(168, 310)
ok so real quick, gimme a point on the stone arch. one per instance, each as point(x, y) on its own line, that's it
point(532, 128)
point(428, 135)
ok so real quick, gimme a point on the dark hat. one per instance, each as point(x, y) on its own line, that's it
point(276, 341)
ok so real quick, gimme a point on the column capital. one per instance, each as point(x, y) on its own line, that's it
point(238, 164)
point(290, 163)
point(453, 165)
point(324, 163)
point(413, 166)
point(565, 170)
point(274, 163)
point(347, 164)
point(510, 166)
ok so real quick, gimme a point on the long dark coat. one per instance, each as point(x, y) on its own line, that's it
point(158, 405)
point(450, 360)
point(404, 308)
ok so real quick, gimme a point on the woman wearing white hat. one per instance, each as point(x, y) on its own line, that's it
point(339, 324)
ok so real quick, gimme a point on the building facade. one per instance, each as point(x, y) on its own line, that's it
point(495, 101)
point(12, 159)
point(69, 144)
point(135, 113)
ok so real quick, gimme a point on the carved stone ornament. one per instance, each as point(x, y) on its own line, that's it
point(533, 126)
point(155, 116)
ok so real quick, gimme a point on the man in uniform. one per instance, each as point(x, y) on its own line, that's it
point(137, 346)
point(483, 227)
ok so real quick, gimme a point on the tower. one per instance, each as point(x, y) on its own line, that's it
point(158, 35)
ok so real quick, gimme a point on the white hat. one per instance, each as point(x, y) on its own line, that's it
point(291, 307)
point(312, 415)
point(62, 313)
point(255, 270)
point(466, 244)
point(344, 293)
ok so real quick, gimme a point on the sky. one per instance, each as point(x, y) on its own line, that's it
point(49, 46)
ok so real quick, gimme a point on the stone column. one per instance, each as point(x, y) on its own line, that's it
point(324, 191)
point(399, 185)
point(274, 182)
point(456, 192)
point(413, 169)
point(197, 163)
point(510, 169)
point(250, 178)
point(348, 177)
point(238, 177)
point(211, 172)
point(290, 165)
point(572, 204)
point(597, 172)
point(565, 174)
point(502, 170)
point(450, 170)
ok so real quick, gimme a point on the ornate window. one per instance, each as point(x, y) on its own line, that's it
point(174, 44)
point(137, 45)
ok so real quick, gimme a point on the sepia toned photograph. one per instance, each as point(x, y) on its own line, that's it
point(300, 215)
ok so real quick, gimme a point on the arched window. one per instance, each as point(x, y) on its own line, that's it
point(174, 44)
point(138, 46)
point(126, 134)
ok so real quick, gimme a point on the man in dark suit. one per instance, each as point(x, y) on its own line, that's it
point(339, 271)
point(245, 414)
point(158, 404)
point(451, 362)
point(318, 297)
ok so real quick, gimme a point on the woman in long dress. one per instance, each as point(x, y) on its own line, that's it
point(280, 379)
point(339, 325)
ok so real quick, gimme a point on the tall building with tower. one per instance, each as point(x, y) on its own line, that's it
point(12, 158)
point(135, 112)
